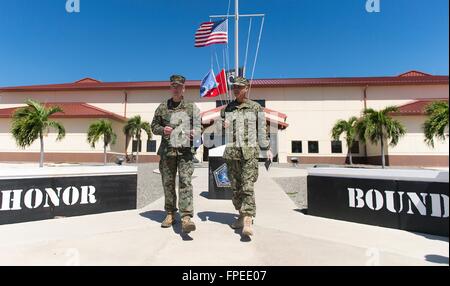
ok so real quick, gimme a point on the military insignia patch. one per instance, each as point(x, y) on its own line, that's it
point(221, 177)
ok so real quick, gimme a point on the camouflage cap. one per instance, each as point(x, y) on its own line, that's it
point(177, 80)
point(241, 81)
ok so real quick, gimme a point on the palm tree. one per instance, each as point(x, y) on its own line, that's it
point(133, 129)
point(32, 122)
point(102, 129)
point(349, 128)
point(436, 126)
point(378, 126)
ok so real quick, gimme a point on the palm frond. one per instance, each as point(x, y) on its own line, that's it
point(134, 127)
point(436, 126)
point(31, 121)
point(101, 129)
point(54, 109)
point(146, 126)
point(338, 129)
point(61, 131)
point(378, 125)
point(389, 109)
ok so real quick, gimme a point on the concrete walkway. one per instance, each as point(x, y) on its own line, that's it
point(284, 236)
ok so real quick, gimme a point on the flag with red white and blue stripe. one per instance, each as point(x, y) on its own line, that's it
point(211, 33)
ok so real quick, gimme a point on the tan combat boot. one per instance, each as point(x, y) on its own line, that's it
point(247, 230)
point(187, 225)
point(168, 221)
point(239, 223)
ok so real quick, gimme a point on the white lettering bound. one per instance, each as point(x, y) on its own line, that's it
point(394, 202)
point(378, 200)
point(356, 195)
point(445, 200)
point(413, 199)
point(390, 202)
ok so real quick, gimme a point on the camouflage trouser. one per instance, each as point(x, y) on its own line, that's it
point(243, 174)
point(168, 167)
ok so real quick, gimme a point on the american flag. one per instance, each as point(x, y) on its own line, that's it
point(211, 33)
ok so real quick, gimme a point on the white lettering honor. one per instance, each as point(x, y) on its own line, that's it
point(11, 200)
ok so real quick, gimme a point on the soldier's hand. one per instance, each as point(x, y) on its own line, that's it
point(191, 134)
point(270, 155)
point(226, 124)
point(168, 130)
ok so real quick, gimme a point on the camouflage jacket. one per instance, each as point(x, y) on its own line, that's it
point(182, 118)
point(247, 131)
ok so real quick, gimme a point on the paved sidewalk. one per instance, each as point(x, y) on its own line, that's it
point(284, 236)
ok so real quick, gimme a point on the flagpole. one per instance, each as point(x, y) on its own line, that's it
point(236, 37)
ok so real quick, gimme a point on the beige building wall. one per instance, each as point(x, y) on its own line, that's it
point(74, 142)
point(380, 97)
point(311, 111)
point(413, 143)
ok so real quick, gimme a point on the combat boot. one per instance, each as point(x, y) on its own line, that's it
point(239, 223)
point(247, 230)
point(168, 221)
point(187, 225)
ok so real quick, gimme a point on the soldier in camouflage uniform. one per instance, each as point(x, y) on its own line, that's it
point(242, 151)
point(178, 122)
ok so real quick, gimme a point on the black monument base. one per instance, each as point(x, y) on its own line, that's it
point(412, 200)
point(65, 192)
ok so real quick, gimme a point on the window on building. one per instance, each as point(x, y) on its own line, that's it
point(135, 146)
point(313, 147)
point(151, 146)
point(336, 147)
point(355, 148)
point(297, 147)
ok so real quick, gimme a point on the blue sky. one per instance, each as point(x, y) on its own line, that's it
point(135, 40)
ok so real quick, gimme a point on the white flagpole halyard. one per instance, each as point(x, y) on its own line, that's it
point(248, 44)
point(236, 17)
point(256, 56)
point(236, 37)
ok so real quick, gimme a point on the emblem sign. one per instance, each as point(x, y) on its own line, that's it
point(221, 177)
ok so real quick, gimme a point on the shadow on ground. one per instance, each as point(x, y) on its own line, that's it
point(159, 216)
point(437, 259)
point(225, 197)
point(433, 237)
point(223, 218)
point(303, 211)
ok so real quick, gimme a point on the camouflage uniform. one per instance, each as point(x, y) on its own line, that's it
point(177, 153)
point(242, 159)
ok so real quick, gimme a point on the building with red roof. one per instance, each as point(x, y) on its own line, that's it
point(303, 109)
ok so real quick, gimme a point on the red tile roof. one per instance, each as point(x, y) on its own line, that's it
point(417, 107)
point(88, 80)
point(410, 78)
point(72, 110)
point(414, 73)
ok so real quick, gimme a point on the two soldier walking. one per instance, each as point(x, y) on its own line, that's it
point(179, 123)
